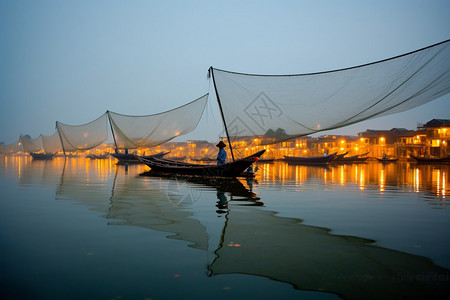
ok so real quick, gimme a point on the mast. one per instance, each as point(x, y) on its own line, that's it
point(221, 111)
point(112, 130)
point(60, 139)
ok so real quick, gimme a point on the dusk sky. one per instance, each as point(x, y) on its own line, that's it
point(70, 61)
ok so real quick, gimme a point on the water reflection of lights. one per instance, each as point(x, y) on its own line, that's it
point(412, 177)
point(444, 183)
point(416, 180)
point(361, 181)
point(342, 177)
point(439, 180)
point(298, 175)
point(436, 177)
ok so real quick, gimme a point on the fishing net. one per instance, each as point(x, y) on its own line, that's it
point(131, 132)
point(51, 143)
point(29, 144)
point(282, 107)
point(11, 148)
point(83, 137)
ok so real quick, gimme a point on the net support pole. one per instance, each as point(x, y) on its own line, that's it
point(221, 111)
point(60, 139)
point(112, 130)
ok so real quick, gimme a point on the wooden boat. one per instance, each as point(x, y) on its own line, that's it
point(360, 158)
point(431, 159)
point(386, 159)
point(266, 160)
point(130, 158)
point(232, 169)
point(351, 159)
point(310, 160)
point(42, 156)
point(97, 156)
point(339, 156)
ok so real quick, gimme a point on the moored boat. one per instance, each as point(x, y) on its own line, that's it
point(360, 158)
point(310, 160)
point(351, 159)
point(42, 155)
point(266, 160)
point(431, 159)
point(386, 160)
point(97, 156)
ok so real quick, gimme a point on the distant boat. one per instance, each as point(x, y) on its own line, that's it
point(387, 160)
point(351, 159)
point(310, 160)
point(97, 156)
point(42, 155)
point(360, 158)
point(431, 159)
point(265, 160)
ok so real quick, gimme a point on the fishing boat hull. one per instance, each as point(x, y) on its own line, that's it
point(386, 160)
point(431, 160)
point(97, 156)
point(266, 160)
point(231, 169)
point(42, 156)
point(310, 160)
point(350, 160)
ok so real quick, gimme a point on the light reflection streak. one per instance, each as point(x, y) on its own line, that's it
point(361, 179)
point(436, 178)
point(382, 180)
point(416, 180)
point(342, 177)
point(444, 183)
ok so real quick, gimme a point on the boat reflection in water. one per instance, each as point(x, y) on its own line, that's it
point(249, 239)
point(259, 243)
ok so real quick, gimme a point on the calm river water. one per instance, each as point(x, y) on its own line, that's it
point(89, 229)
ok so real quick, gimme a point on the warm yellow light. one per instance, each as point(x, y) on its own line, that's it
point(382, 139)
point(342, 141)
point(361, 139)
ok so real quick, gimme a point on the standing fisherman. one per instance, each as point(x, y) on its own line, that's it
point(222, 155)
